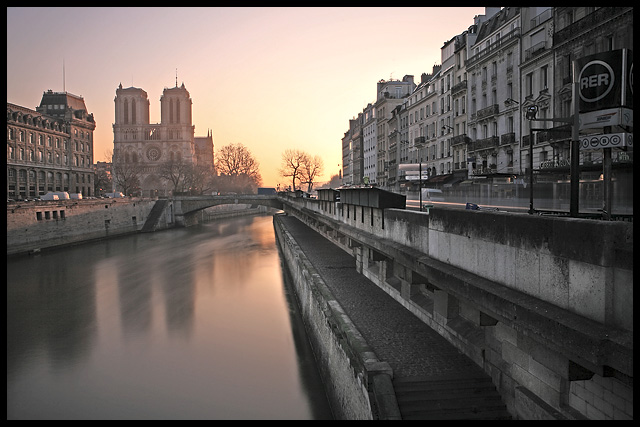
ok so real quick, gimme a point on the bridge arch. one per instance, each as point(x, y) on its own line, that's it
point(186, 206)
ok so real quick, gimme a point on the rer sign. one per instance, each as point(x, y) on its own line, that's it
point(605, 80)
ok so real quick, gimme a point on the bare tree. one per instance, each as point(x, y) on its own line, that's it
point(176, 172)
point(238, 169)
point(200, 179)
point(125, 174)
point(293, 161)
point(311, 169)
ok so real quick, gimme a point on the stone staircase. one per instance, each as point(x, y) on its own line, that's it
point(152, 220)
point(453, 397)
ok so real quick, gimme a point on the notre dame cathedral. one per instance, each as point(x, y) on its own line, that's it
point(147, 146)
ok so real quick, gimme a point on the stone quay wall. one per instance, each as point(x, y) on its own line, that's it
point(350, 370)
point(34, 226)
point(543, 304)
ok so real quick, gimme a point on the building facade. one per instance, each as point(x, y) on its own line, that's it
point(369, 136)
point(472, 127)
point(145, 149)
point(50, 148)
point(390, 94)
point(493, 69)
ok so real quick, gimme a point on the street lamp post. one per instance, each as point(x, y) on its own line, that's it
point(531, 115)
point(420, 181)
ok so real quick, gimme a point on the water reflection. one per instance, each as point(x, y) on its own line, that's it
point(181, 324)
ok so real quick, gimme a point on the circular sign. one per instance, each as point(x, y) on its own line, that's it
point(596, 80)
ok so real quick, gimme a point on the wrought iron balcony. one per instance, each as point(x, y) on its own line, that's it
point(460, 139)
point(459, 87)
point(489, 111)
point(508, 138)
point(483, 144)
point(495, 46)
point(588, 23)
point(534, 50)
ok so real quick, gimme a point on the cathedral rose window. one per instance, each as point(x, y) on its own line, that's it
point(153, 154)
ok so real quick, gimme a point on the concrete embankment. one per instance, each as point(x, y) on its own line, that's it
point(358, 384)
point(36, 226)
point(404, 368)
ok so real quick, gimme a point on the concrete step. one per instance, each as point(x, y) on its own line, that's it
point(152, 220)
point(449, 398)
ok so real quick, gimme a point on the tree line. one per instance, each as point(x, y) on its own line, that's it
point(235, 170)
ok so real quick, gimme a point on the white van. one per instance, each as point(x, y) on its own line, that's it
point(60, 195)
point(432, 195)
point(50, 196)
point(77, 196)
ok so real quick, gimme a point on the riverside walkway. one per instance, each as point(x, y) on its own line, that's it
point(432, 379)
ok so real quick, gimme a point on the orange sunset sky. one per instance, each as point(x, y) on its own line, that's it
point(269, 78)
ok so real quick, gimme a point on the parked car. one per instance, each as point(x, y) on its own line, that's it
point(114, 195)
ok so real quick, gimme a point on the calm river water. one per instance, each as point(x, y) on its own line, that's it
point(192, 323)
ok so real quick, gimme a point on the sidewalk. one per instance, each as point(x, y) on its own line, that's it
point(431, 378)
point(398, 337)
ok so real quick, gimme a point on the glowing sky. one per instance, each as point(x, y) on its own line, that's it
point(268, 78)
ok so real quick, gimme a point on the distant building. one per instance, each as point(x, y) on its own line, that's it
point(50, 148)
point(204, 150)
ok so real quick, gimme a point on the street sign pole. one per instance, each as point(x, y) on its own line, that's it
point(574, 200)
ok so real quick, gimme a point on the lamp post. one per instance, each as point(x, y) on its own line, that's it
point(531, 115)
point(419, 146)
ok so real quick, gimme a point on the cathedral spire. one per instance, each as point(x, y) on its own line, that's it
point(176, 77)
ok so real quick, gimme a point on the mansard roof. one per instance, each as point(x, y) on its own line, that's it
point(496, 21)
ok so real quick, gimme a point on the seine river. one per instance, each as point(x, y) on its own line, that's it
point(191, 323)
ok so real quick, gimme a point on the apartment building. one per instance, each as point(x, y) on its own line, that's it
point(465, 121)
point(418, 108)
point(441, 166)
point(50, 148)
point(459, 99)
point(390, 94)
point(579, 32)
point(493, 69)
point(537, 88)
point(369, 140)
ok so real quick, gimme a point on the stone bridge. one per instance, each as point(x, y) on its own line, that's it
point(185, 207)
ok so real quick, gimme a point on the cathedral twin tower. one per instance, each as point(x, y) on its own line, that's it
point(147, 146)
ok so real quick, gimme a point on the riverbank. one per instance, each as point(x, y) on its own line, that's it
point(33, 227)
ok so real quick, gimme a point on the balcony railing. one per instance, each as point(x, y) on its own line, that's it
point(508, 138)
point(541, 18)
point(495, 46)
point(589, 22)
point(459, 87)
point(489, 111)
point(459, 139)
point(534, 50)
point(483, 144)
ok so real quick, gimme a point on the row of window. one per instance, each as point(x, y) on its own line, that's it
point(154, 134)
point(51, 158)
point(20, 136)
point(47, 176)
